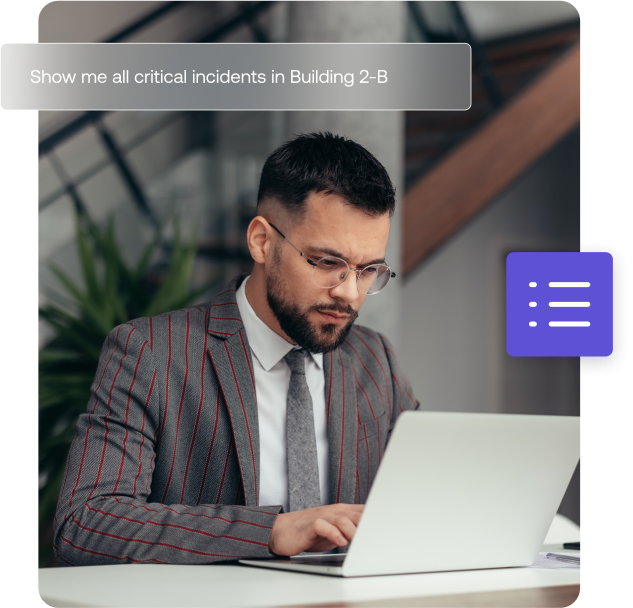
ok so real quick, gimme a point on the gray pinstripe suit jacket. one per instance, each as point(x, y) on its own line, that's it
point(164, 466)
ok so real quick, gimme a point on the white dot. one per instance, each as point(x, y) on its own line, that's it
point(532, 323)
point(532, 284)
point(532, 304)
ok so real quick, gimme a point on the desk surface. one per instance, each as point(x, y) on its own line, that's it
point(228, 585)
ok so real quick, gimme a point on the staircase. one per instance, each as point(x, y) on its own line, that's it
point(515, 63)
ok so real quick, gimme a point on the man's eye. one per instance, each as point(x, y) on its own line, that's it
point(370, 270)
point(327, 263)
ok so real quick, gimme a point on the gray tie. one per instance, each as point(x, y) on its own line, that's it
point(303, 464)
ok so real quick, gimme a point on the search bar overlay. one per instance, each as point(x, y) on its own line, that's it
point(236, 76)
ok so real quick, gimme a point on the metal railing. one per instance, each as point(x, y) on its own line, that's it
point(462, 32)
point(116, 154)
point(245, 15)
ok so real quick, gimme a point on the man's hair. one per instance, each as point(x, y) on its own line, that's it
point(322, 162)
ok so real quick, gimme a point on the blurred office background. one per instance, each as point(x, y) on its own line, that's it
point(472, 187)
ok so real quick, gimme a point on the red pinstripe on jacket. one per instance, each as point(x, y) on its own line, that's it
point(164, 466)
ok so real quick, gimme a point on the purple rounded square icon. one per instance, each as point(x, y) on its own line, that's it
point(559, 304)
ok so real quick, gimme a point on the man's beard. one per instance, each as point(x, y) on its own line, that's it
point(296, 323)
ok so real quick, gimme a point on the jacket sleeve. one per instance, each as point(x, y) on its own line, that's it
point(402, 393)
point(103, 516)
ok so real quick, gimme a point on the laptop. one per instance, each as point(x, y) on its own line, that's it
point(457, 492)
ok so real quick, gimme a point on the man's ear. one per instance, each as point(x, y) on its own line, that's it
point(258, 238)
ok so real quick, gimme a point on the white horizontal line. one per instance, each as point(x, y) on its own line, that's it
point(570, 304)
point(569, 284)
point(569, 324)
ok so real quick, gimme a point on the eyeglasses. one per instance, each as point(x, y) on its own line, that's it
point(331, 271)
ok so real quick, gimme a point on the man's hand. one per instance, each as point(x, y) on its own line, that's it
point(316, 529)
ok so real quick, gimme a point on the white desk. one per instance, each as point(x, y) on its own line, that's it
point(227, 585)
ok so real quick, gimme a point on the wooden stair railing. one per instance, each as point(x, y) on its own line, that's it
point(515, 62)
point(480, 168)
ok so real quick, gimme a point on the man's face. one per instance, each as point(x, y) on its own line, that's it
point(319, 319)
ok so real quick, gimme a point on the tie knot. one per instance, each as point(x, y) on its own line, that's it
point(295, 361)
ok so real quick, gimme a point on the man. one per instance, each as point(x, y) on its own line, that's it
point(252, 425)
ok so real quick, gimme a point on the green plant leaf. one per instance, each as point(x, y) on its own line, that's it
point(115, 292)
point(52, 355)
point(74, 330)
point(148, 253)
point(87, 256)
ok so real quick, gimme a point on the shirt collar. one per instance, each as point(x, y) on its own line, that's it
point(268, 346)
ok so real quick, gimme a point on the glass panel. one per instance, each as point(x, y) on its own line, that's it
point(56, 227)
point(81, 152)
point(127, 126)
point(103, 193)
point(160, 152)
point(48, 181)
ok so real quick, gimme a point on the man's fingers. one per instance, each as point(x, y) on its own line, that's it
point(355, 517)
point(346, 526)
point(345, 518)
point(331, 532)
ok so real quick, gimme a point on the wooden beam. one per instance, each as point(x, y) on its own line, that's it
point(472, 175)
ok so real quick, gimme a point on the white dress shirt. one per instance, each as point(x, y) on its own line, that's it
point(272, 378)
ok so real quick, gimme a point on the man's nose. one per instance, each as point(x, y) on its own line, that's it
point(347, 290)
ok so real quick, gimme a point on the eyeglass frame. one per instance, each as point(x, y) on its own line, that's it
point(392, 275)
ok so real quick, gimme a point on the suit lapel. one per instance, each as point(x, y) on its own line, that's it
point(231, 358)
point(342, 424)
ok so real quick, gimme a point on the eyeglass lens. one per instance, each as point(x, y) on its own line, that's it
point(330, 272)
